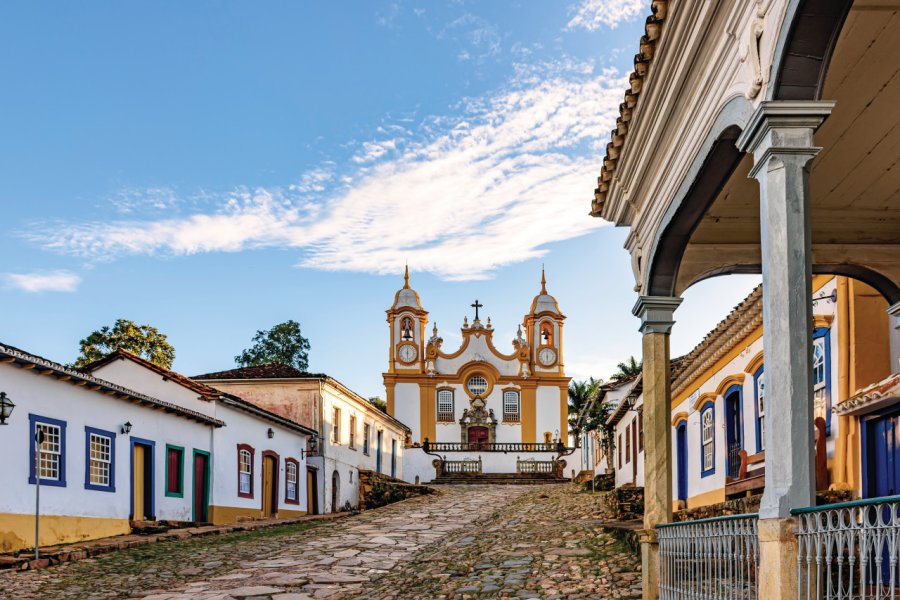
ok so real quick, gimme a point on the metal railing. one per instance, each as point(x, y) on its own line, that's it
point(468, 466)
point(536, 466)
point(849, 550)
point(734, 459)
point(709, 559)
point(490, 447)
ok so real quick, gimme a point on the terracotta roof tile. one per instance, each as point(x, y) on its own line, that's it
point(266, 371)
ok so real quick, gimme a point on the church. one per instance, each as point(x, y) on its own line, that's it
point(505, 411)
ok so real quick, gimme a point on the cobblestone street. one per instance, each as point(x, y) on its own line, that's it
point(466, 542)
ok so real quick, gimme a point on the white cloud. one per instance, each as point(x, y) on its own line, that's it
point(43, 281)
point(592, 14)
point(490, 186)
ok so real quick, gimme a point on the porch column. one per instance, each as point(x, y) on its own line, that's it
point(780, 137)
point(655, 313)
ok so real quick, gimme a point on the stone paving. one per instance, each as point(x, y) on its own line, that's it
point(466, 542)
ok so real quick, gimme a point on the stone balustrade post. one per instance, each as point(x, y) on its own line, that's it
point(656, 313)
point(780, 138)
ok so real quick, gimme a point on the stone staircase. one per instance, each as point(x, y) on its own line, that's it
point(498, 479)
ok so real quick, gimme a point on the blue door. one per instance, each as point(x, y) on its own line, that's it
point(378, 453)
point(393, 458)
point(734, 431)
point(681, 450)
point(883, 456)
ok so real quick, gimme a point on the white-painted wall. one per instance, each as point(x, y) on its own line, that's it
point(418, 464)
point(547, 412)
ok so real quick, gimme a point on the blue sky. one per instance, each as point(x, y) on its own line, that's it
point(216, 168)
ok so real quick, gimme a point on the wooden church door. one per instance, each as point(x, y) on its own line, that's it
point(478, 437)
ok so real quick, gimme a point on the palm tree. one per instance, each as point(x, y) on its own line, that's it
point(628, 369)
point(580, 395)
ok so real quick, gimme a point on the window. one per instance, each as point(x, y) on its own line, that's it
point(707, 440)
point(52, 464)
point(477, 385)
point(366, 433)
point(511, 406)
point(445, 406)
point(174, 471)
point(760, 410)
point(336, 425)
point(641, 430)
point(291, 469)
point(352, 432)
point(245, 471)
point(99, 473)
point(821, 368)
point(628, 443)
point(620, 450)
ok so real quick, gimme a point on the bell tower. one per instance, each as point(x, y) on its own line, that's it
point(544, 329)
point(407, 320)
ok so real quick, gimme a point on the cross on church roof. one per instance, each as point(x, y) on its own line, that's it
point(476, 306)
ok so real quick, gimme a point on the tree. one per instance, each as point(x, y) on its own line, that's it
point(142, 340)
point(629, 368)
point(379, 403)
point(282, 344)
point(580, 395)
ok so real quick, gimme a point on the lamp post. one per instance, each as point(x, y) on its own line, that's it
point(6, 408)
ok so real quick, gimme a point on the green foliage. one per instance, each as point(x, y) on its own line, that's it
point(581, 393)
point(629, 368)
point(379, 403)
point(283, 343)
point(142, 340)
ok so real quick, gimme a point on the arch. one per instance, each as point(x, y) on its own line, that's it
point(805, 45)
point(490, 373)
point(755, 363)
point(713, 165)
point(704, 399)
point(679, 418)
point(736, 379)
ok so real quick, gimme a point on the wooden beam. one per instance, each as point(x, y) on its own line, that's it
point(28, 366)
point(7, 359)
point(47, 372)
point(81, 382)
point(64, 377)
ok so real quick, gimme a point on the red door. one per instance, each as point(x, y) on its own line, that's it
point(478, 437)
point(201, 491)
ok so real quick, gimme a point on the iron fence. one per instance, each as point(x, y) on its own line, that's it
point(849, 551)
point(709, 559)
point(734, 459)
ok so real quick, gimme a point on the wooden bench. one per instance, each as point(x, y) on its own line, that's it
point(744, 483)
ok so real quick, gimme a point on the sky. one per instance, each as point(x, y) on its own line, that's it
point(213, 169)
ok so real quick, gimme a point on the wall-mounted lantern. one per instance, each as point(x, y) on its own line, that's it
point(271, 433)
point(126, 428)
point(6, 408)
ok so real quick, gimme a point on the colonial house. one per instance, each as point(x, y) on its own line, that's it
point(476, 408)
point(351, 434)
point(109, 455)
point(258, 457)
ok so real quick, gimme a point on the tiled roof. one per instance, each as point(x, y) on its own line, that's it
point(204, 390)
point(267, 371)
point(652, 31)
point(43, 366)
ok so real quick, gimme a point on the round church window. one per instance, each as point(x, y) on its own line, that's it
point(477, 385)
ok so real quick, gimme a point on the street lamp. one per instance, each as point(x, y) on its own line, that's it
point(271, 433)
point(126, 428)
point(6, 408)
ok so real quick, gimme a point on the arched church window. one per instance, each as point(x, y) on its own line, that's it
point(406, 328)
point(477, 385)
point(546, 334)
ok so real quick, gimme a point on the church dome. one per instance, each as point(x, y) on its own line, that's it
point(544, 302)
point(406, 297)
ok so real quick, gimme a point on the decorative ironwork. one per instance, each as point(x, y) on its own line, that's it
point(734, 459)
point(709, 559)
point(490, 447)
point(849, 550)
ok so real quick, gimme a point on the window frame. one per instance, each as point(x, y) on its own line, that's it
point(445, 416)
point(759, 378)
point(293, 462)
point(619, 448)
point(708, 408)
point(180, 450)
point(245, 448)
point(335, 425)
point(352, 432)
point(88, 484)
point(33, 421)
point(367, 432)
point(628, 443)
point(823, 334)
point(512, 417)
point(482, 378)
point(640, 420)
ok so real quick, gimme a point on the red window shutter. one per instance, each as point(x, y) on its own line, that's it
point(174, 483)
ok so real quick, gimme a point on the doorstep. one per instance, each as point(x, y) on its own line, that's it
point(54, 555)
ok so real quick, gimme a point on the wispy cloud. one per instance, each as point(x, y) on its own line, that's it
point(592, 14)
point(43, 281)
point(493, 184)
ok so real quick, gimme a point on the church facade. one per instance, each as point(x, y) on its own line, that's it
point(478, 399)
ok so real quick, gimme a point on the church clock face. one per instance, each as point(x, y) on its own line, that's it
point(547, 356)
point(408, 353)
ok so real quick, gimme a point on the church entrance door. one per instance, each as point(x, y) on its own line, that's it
point(478, 437)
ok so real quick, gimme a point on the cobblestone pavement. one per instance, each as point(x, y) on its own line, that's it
point(466, 542)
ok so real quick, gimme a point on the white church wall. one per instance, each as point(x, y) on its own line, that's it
point(547, 411)
point(406, 407)
point(478, 350)
point(418, 464)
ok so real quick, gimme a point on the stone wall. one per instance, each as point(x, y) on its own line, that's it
point(750, 504)
point(376, 489)
point(626, 503)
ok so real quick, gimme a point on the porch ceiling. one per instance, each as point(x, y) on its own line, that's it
point(855, 179)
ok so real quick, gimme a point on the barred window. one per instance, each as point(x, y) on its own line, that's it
point(51, 451)
point(445, 405)
point(100, 459)
point(290, 478)
point(707, 422)
point(245, 471)
point(477, 385)
point(511, 406)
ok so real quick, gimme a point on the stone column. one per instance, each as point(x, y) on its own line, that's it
point(780, 137)
point(655, 313)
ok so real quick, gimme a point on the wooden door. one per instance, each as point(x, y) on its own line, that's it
point(681, 450)
point(478, 437)
point(312, 492)
point(138, 477)
point(634, 450)
point(201, 489)
point(270, 494)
